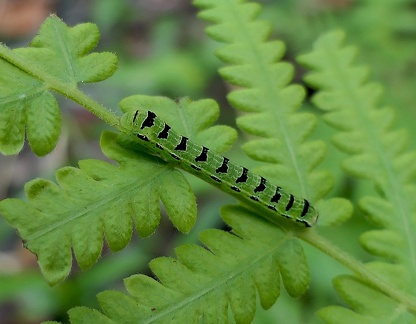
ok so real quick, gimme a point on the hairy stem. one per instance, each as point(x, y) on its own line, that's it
point(359, 269)
point(90, 104)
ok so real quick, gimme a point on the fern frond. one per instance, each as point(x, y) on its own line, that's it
point(100, 198)
point(270, 102)
point(57, 59)
point(376, 152)
point(201, 283)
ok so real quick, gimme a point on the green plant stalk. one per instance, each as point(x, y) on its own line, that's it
point(68, 90)
point(358, 268)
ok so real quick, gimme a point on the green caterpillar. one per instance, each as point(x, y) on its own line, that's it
point(163, 141)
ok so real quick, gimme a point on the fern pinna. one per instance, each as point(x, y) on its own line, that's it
point(377, 153)
point(57, 60)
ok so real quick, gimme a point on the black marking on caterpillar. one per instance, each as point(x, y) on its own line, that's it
point(261, 186)
point(203, 157)
point(305, 208)
point(243, 177)
point(215, 178)
point(175, 156)
point(164, 133)
point(290, 203)
point(182, 145)
point(224, 166)
point(149, 121)
point(197, 168)
point(143, 137)
point(276, 196)
point(135, 116)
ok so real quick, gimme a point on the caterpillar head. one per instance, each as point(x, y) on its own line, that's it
point(132, 120)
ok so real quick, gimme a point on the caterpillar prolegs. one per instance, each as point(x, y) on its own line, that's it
point(243, 184)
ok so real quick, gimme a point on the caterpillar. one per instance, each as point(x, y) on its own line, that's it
point(163, 141)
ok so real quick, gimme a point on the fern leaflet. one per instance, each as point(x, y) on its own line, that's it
point(377, 153)
point(57, 59)
point(201, 283)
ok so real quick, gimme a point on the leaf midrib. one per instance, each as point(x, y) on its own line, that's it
point(267, 84)
point(238, 270)
point(98, 204)
point(378, 151)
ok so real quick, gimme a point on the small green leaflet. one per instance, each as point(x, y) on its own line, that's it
point(163, 141)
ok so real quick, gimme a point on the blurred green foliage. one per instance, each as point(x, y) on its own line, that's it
point(163, 50)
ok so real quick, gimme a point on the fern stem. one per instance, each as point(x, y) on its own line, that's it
point(90, 104)
point(68, 90)
point(359, 268)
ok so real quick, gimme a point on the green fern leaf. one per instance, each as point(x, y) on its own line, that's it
point(95, 199)
point(370, 306)
point(202, 283)
point(57, 60)
point(100, 198)
point(271, 102)
point(376, 152)
point(85, 315)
